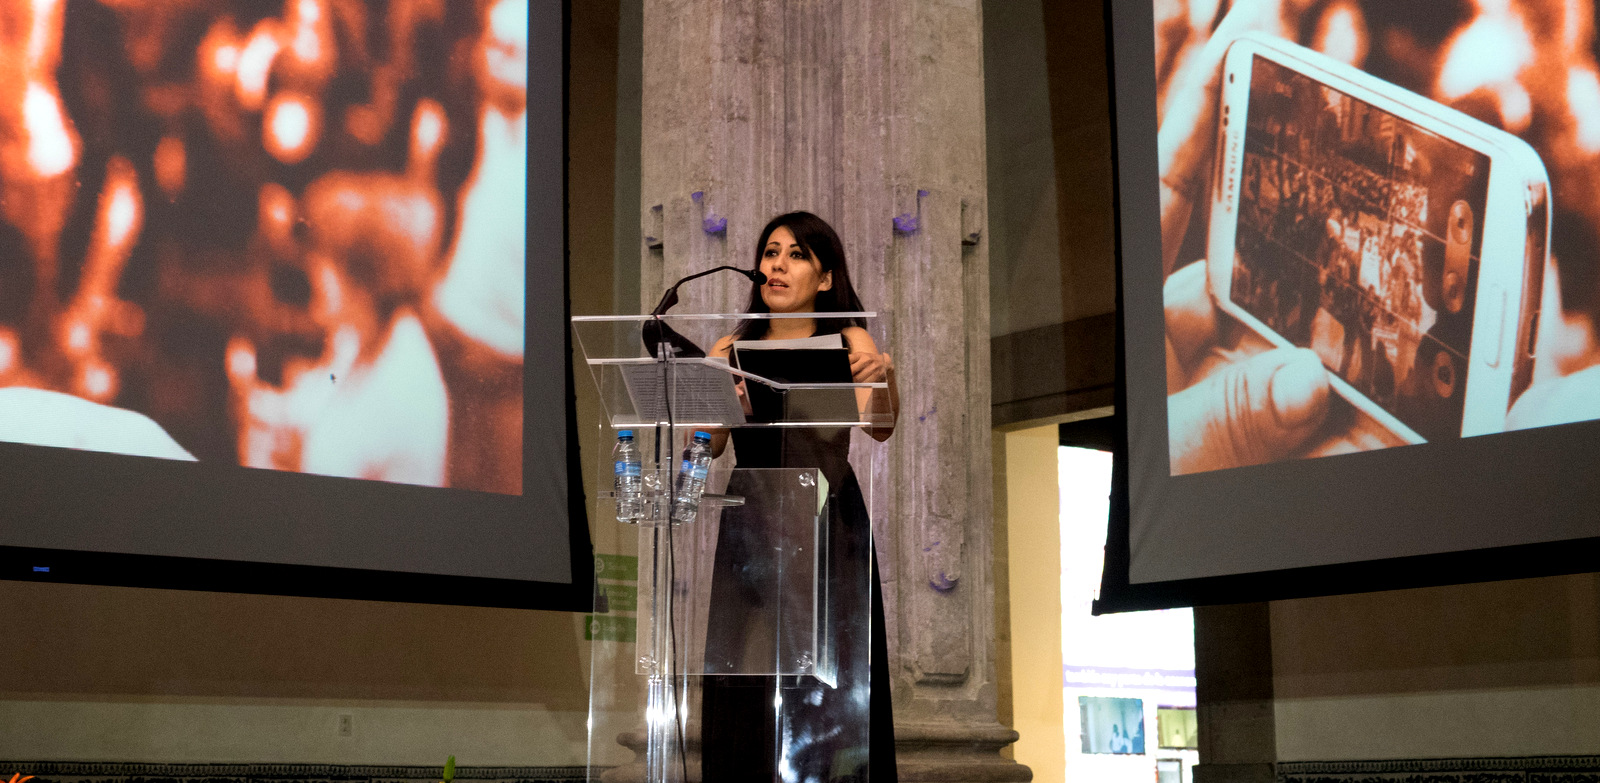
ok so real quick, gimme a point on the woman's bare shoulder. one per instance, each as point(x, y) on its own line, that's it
point(724, 345)
point(856, 338)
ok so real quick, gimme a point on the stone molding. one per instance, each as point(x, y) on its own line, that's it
point(130, 772)
point(1517, 769)
point(956, 753)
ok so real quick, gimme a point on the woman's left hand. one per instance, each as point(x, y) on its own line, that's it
point(869, 367)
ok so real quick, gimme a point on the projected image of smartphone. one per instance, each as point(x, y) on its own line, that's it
point(1400, 240)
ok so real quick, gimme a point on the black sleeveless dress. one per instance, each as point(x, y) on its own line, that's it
point(813, 731)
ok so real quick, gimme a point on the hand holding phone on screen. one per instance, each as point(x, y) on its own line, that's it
point(1236, 411)
point(1401, 241)
point(1228, 405)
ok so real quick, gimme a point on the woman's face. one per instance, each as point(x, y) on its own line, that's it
point(793, 276)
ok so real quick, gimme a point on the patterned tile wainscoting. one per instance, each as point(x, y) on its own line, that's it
point(1529, 769)
point(114, 772)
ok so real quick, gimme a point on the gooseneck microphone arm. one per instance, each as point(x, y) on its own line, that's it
point(656, 331)
point(670, 298)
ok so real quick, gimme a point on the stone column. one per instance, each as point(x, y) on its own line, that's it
point(1234, 693)
point(869, 113)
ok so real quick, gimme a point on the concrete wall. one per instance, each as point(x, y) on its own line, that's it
point(100, 673)
point(1025, 280)
point(1494, 669)
point(1052, 277)
point(1050, 242)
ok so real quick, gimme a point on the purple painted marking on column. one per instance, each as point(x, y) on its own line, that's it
point(906, 224)
point(714, 224)
point(942, 583)
point(922, 194)
point(697, 195)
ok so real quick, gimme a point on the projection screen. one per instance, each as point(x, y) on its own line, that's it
point(272, 278)
point(1360, 288)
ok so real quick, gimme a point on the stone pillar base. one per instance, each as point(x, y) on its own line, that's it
point(953, 753)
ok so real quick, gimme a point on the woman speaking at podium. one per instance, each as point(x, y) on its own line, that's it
point(750, 726)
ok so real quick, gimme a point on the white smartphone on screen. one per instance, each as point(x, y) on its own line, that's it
point(1402, 241)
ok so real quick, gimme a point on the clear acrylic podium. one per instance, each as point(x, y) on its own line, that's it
point(770, 610)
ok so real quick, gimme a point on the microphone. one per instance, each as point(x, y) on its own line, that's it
point(656, 332)
point(670, 298)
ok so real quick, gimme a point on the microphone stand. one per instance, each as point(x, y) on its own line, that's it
point(660, 338)
point(656, 332)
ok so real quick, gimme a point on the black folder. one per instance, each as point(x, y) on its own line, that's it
point(798, 365)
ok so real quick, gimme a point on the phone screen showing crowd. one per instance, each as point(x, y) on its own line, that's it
point(1350, 223)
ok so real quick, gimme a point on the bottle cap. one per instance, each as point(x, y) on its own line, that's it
point(701, 436)
point(624, 433)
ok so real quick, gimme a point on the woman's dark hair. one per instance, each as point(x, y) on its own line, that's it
point(818, 240)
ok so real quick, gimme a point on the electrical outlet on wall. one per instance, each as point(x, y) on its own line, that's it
point(347, 725)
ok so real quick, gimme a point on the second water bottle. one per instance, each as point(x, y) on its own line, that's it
point(691, 483)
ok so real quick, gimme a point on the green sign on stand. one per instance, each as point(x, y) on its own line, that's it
point(620, 598)
point(623, 568)
point(605, 628)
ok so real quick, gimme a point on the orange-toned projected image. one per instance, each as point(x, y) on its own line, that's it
point(1346, 318)
point(284, 235)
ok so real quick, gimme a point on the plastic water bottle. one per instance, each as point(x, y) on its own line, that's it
point(692, 478)
point(628, 486)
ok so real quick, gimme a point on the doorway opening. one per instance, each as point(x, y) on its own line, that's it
point(1128, 679)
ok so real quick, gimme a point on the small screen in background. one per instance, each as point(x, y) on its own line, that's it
point(1111, 725)
point(1346, 218)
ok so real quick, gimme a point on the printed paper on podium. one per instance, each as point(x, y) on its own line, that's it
point(700, 391)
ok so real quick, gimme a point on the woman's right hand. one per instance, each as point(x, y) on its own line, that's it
point(870, 366)
point(719, 436)
point(744, 399)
